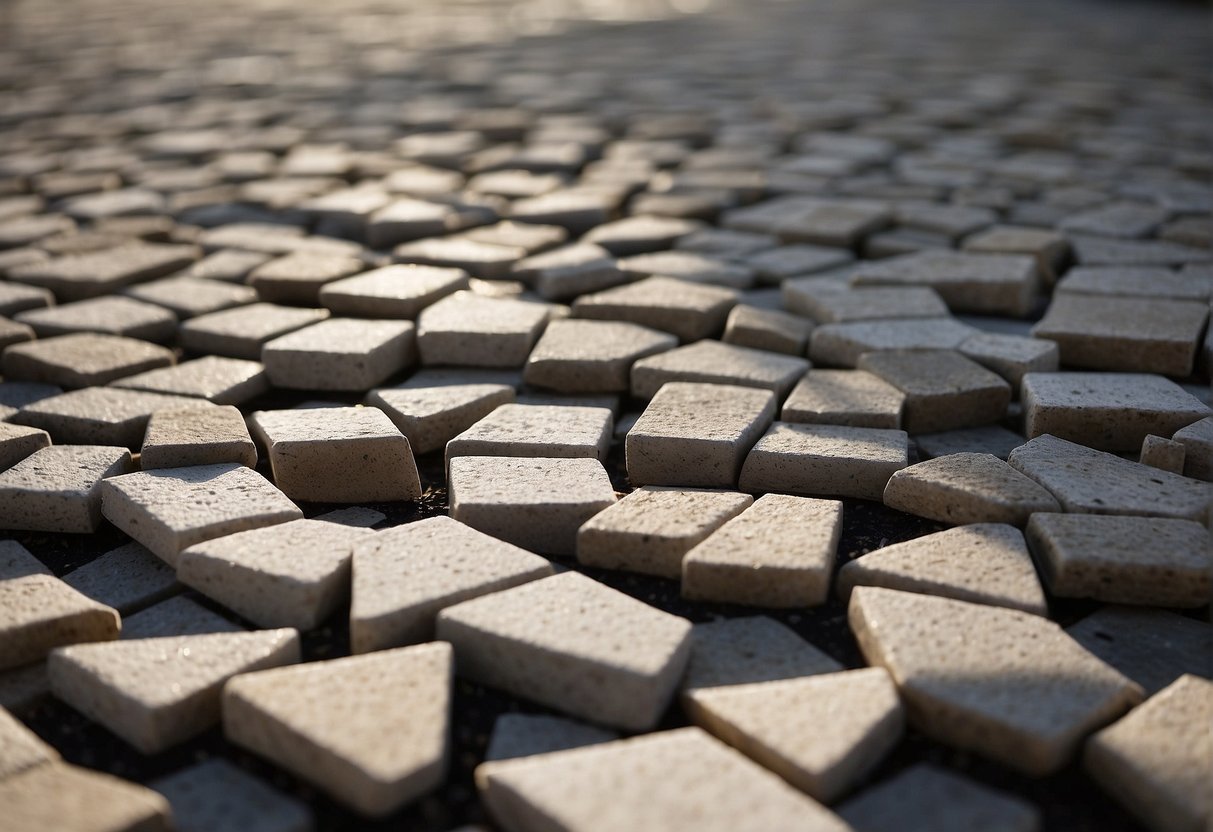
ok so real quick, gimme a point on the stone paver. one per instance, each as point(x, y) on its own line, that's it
point(101, 415)
point(828, 301)
point(81, 360)
point(188, 297)
point(18, 441)
point(1011, 356)
point(767, 329)
point(986, 563)
point(741, 651)
point(20, 748)
point(467, 330)
point(199, 436)
point(62, 796)
point(967, 488)
point(778, 553)
point(562, 274)
point(40, 612)
point(214, 378)
point(128, 579)
point(298, 278)
point(683, 308)
point(943, 389)
point(713, 362)
point(585, 356)
point(1163, 454)
point(844, 397)
point(371, 731)
point(337, 454)
point(532, 430)
point(987, 439)
point(841, 345)
point(173, 508)
point(16, 561)
point(178, 616)
point(1154, 763)
point(652, 529)
point(429, 417)
point(241, 332)
point(108, 315)
point(824, 460)
point(339, 354)
point(1124, 560)
point(158, 692)
point(987, 283)
point(399, 291)
point(404, 576)
point(535, 503)
point(1152, 647)
point(542, 641)
point(1006, 684)
point(87, 275)
point(1197, 439)
point(217, 795)
point(57, 488)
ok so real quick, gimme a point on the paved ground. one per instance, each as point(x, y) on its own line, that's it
point(1119, 88)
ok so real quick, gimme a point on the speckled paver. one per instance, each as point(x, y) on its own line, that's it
point(537, 431)
point(109, 315)
point(371, 731)
point(1197, 439)
point(651, 529)
point(985, 283)
point(1157, 761)
point(399, 291)
point(16, 561)
point(157, 692)
point(465, 329)
point(128, 579)
point(767, 329)
point(241, 332)
point(943, 389)
point(777, 553)
point(81, 360)
point(829, 301)
point(62, 796)
point(431, 416)
point(1011, 356)
point(39, 612)
point(1152, 647)
point(844, 397)
point(582, 356)
point(18, 441)
point(986, 563)
point(713, 362)
point(841, 345)
point(688, 310)
point(536, 503)
point(824, 460)
point(298, 278)
point(199, 436)
point(337, 454)
point(741, 651)
point(967, 488)
point(101, 415)
point(339, 354)
point(1006, 684)
point(542, 641)
point(404, 576)
point(20, 748)
point(214, 378)
point(172, 508)
point(57, 488)
point(697, 435)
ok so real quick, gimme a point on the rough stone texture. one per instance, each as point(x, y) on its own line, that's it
point(1088, 481)
point(298, 278)
point(109, 315)
point(1006, 684)
point(1133, 281)
point(57, 488)
point(214, 378)
point(925, 798)
point(1011, 356)
point(986, 563)
point(241, 332)
point(215, 794)
point(1151, 647)
point(400, 291)
point(651, 529)
point(943, 389)
point(696, 434)
point(829, 301)
point(157, 692)
point(524, 735)
point(467, 330)
point(429, 417)
point(740, 651)
point(841, 345)
point(543, 641)
point(844, 397)
point(1125, 334)
point(39, 612)
point(985, 283)
point(712, 362)
point(987, 439)
point(967, 488)
point(17, 562)
point(294, 574)
point(199, 436)
point(690, 266)
point(1163, 454)
point(767, 329)
point(173, 508)
point(81, 360)
point(486, 261)
point(1124, 560)
point(20, 748)
point(1048, 247)
point(18, 442)
point(64, 797)
point(339, 354)
point(14, 298)
point(188, 297)
point(1197, 439)
point(1108, 411)
point(338, 454)
point(567, 272)
point(582, 356)
point(404, 576)
point(777, 553)
point(821, 733)
point(688, 310)
point(537, 503)
point(652, 782)
point(371, 731)
point(80, 276)
point(128, 579)
point(178, 616)
point(101, 415)
point(1153, 761)
point(532, 430)
point(824, 460)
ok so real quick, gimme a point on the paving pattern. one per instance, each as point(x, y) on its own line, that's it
point(649, 414)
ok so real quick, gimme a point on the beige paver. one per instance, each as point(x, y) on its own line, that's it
point(986, 563)
point(430, 416)
point(985, 283)
point(1048, 247)
point(170, 509)
point(1108, 411)
point(696, 435)
point(821, 733)
point(1133, 281)
point(100, 415)
point(1124, 560)
point(215, 794)
point(213, 377)
point(584, 356)
point(1152, 647)
point(841, 345)
point(777, 553)
point(536, 503)
point(404, 576)
point(16, 561)
point(943, 389)
point(298, 278)
point(371, 731)
point(155, 693)
point(293, 574)
point(241, 332)
point(525, 735)
point(741, 651)
point(1197, 439)
point(1011, 356)
point(713, 362)
point(20, 748)
point(537, 431)
point(563, 273)
point(199, 436)
point(188, 297)
point(987, 439)
point(844, 397)
point(127, 578)
point(542, 641)
point(690, 266)
point(57, 488)
point(87, 275)
point(19, 441)
point(399, 291)
point(177, 616)
point(1006, 684)
point(81, 360)
point(465, 329)
point(339, 354)
point(659, 781)
point(1095, 482)
point(40, 612)
point(1163, 454)
point(967, 488)
point(824, 460)
point(337, 454)
point(651, 529)
point(115, 315)
point(827, 300)
point(62, 796)
point(767, 329)
point(1157, 761)
point(688, 310)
